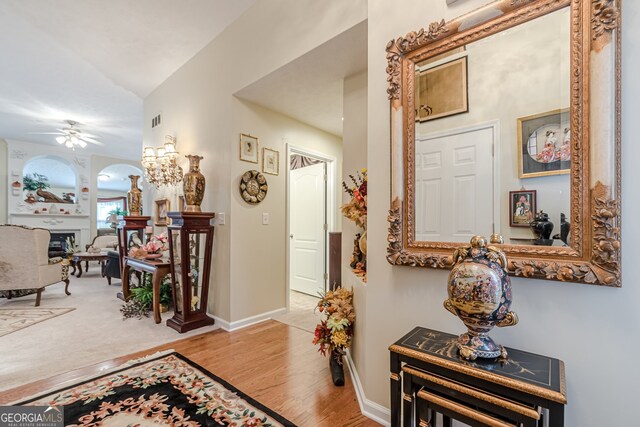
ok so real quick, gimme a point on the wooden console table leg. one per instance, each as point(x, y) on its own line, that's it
point(156, 279)
point(408, 419)
point(125, 281)
point(556, 415)
point(395, 389)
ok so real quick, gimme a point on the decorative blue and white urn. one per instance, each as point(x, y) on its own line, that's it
point(479, 293)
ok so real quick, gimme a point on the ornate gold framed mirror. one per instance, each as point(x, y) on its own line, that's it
point(514, 105)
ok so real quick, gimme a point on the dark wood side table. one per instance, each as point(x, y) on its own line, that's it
point(157, 268)
point(428, 377)
point(79, 257)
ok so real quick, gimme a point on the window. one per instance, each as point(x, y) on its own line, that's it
point(107, 205)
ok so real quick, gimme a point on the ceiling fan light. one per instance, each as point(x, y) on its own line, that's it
point(74, 140)
point(61, 139)
point(69, 144)
point(81, 143)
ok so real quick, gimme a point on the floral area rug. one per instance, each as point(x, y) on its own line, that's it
point(166, 390)
point(14, 319)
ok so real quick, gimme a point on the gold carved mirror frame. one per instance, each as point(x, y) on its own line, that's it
point(594, 254)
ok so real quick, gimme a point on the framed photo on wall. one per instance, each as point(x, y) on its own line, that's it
point(441, 90)
point(248, 148)
point(270, 161)
point(522, 207)
point(160, 214)
point(544, 144)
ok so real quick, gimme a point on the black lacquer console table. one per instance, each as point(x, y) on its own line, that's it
point(428, 377)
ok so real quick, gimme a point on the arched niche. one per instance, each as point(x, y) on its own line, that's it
point(112, 184)
point(50, 179)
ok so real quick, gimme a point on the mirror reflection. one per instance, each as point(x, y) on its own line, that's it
point(492, 137)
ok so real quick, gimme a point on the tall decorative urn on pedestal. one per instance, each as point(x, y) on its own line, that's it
point(479, 293)
point(134, 197)
point(193, 184)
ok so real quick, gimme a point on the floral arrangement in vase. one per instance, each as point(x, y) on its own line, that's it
point(335, 333)
point(356, 211)
point(152, 249)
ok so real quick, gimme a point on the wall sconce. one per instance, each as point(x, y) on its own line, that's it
point(160, 167)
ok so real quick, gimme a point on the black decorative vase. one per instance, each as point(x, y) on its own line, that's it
point(542, 229)
point(337, 368)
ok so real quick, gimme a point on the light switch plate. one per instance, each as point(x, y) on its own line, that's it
point(221, 218)
point(265, 218)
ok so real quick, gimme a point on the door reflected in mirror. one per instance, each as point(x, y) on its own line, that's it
point(492, 117)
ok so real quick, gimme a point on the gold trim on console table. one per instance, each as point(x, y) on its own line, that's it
point(407, 397)
point(394, 376)
point(478, 394)
point(462, 410)
point(497, 379)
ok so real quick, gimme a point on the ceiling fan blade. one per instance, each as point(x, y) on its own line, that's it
point(90, 140)
point(45, 133)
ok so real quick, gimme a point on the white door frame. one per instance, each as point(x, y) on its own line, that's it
point(331, 213)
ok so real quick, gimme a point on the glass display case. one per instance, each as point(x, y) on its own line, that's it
point(190, 247)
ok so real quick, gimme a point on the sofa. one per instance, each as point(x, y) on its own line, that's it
point(25, 266)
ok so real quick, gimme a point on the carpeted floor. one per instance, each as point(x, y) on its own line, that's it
point(302, 313)
point(90, 334)
point(165, 389)
point(14, 319)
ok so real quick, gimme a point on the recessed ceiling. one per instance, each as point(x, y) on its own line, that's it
point(94, 61)
point(309, 89)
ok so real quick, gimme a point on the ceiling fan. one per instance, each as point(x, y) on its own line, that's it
point(71, 136)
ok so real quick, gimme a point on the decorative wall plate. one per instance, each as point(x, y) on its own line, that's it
point(253, 187)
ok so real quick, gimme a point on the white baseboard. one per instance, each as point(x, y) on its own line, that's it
point(369, 409)
point(243, 323)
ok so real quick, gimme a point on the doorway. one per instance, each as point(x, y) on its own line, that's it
point(310, 197)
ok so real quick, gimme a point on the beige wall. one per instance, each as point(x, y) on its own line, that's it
point(4, 157)
point(197, 103)
point(591, 328)
point(258, 252)
point(354, 158)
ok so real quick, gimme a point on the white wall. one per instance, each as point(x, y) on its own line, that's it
point(4, 158)
point(197, 103)
point(354, 152)
point(258, 252)
point(591, 328)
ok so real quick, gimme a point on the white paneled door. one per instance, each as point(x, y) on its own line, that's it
point(455, 185)
point(307, 229)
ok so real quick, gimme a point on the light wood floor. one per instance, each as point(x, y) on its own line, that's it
point(274, 363)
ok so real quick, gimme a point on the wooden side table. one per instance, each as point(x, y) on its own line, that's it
point(79, 257)
point(429, 377)
point(157, 268)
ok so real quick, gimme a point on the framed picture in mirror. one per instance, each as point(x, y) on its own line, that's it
point(441, 88)
point(544, 144)
point(522, 207)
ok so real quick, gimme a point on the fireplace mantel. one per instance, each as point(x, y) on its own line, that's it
point(78, 224)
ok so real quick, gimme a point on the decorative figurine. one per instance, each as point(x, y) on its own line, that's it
point(542, 228)
point(480, 295)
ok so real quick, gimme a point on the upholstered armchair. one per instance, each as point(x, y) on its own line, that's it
point(24, 262)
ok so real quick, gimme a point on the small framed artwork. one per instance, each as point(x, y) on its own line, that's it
point(544, 144)
point(248, 148)
point(522, 207)
point(441, 90)
point(181, 203)
point(270, 161)
point(161, 209)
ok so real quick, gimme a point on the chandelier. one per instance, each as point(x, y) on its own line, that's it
point(160, 167)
